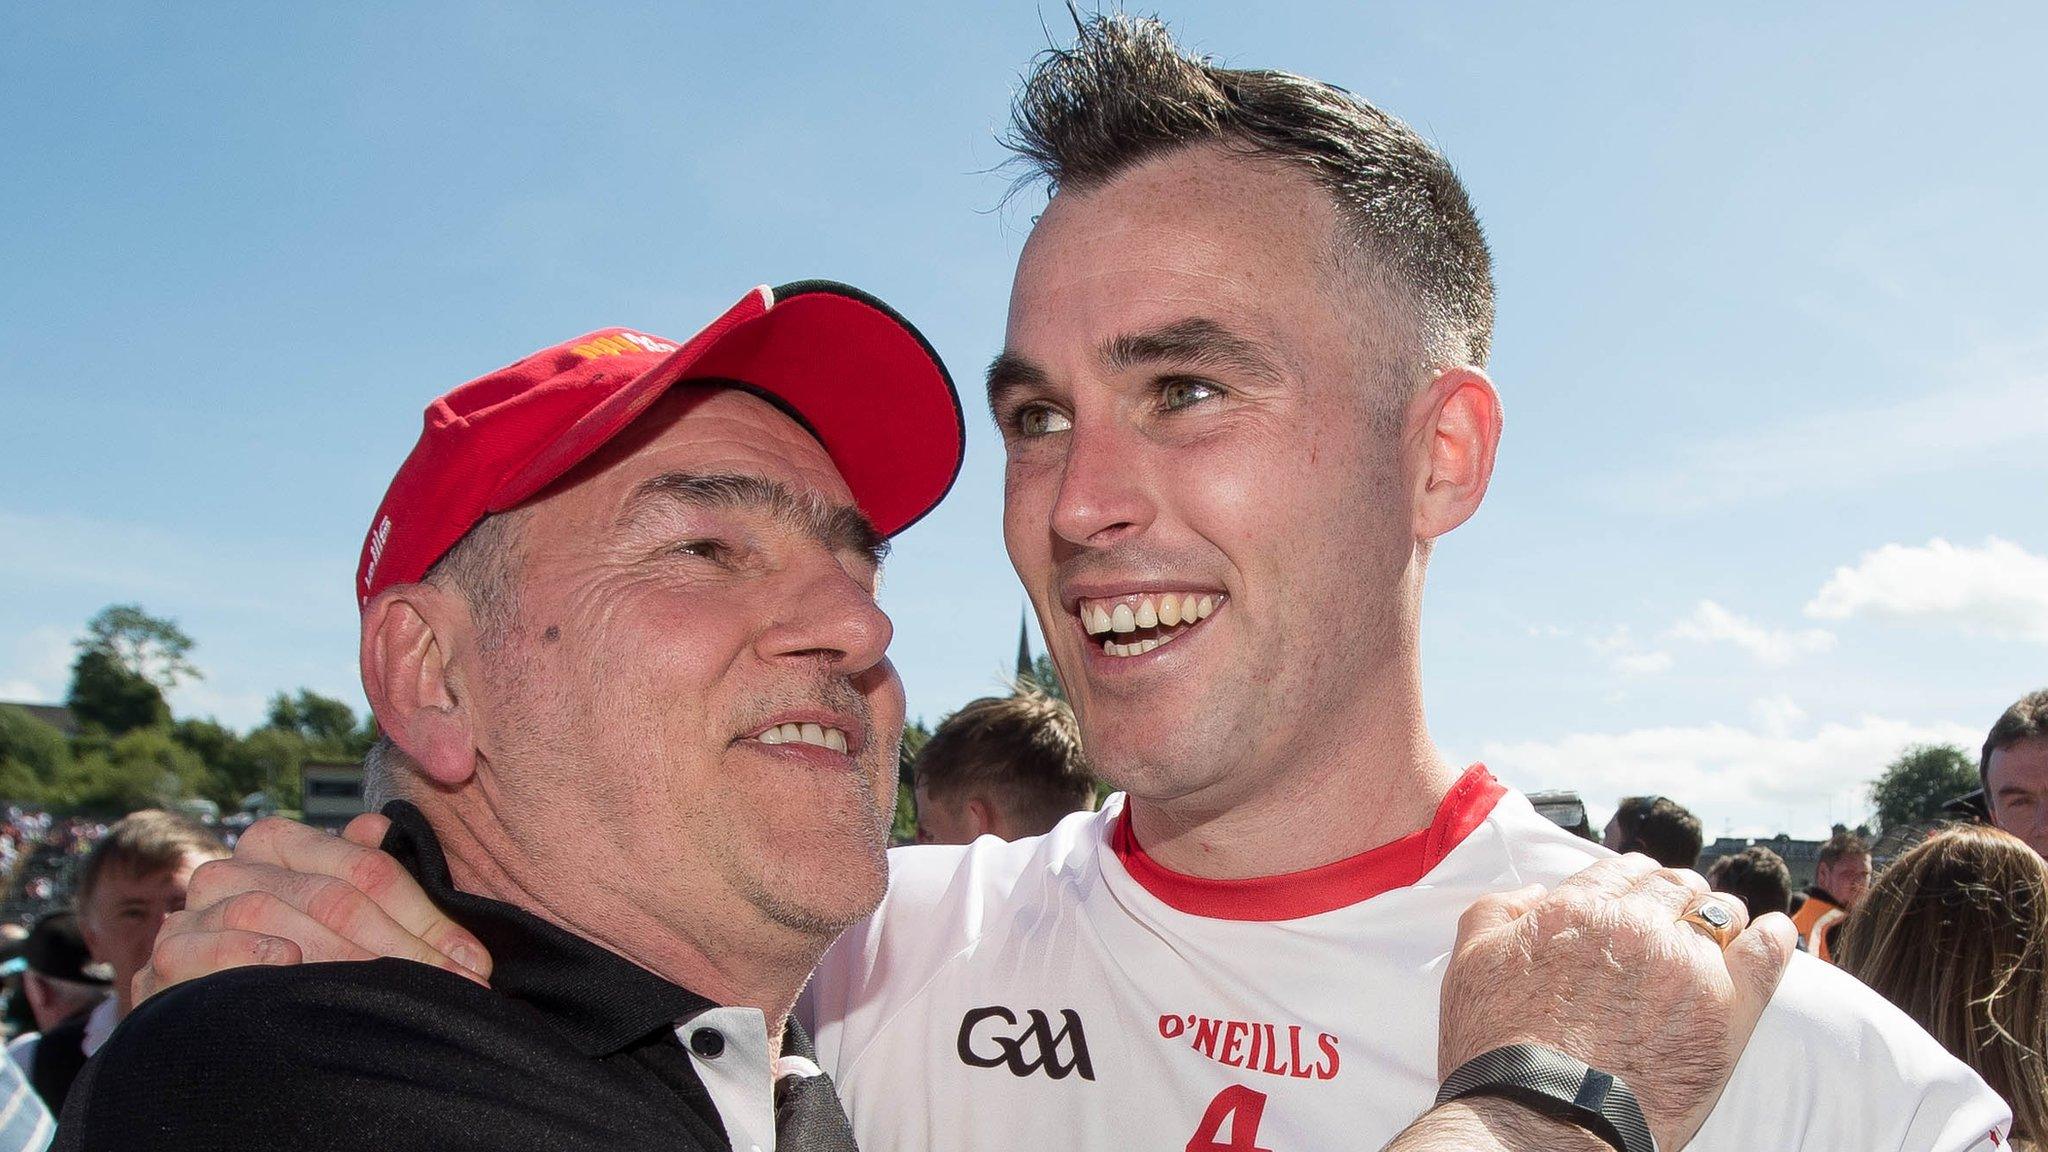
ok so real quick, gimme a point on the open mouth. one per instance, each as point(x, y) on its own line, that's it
point(1135, 624)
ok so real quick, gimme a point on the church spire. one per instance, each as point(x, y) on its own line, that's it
point(1025, 665)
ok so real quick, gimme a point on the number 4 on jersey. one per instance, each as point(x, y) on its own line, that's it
point(1241, 1108)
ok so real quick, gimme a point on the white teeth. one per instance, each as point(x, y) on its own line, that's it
point(1156, 610)
point(1147, 645)
point(816, 734)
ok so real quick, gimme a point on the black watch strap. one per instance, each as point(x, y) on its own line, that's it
point(1554, 1084)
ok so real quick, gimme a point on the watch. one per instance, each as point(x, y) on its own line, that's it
point(1556, 1085)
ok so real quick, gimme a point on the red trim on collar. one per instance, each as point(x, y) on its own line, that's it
point(1317, 890)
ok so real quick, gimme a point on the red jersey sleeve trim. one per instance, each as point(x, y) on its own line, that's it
point(1293, 895)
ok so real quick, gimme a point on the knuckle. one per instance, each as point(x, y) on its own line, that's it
point(250, 910)
point(211, 878)
point(261, 837)
point(373, 874)
point(336, 903)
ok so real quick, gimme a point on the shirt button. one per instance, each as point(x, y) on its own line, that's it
point(708, 1043)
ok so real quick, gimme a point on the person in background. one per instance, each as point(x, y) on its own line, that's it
point(2014, 770)
point(135, 877)
point(1839, 881)
point(1955, 933)
point(1757, 875)
point(61, 983)
point(1658, 828)
point(1003, 766)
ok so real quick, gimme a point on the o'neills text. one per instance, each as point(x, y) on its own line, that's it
point(1257, 1047)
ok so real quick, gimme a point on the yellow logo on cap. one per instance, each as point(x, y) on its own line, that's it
point(620, 343)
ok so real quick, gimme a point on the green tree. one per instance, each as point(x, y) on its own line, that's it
point(33, 757)
point(266, 760)
point(903, 829)
point(145, 768)
point(107, 695)
point(322, 720)
point(151, 647)
point(1920, 781)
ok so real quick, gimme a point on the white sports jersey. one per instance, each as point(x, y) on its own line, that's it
point(1068, 992)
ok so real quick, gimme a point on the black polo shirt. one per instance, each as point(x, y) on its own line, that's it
point(573, 1047)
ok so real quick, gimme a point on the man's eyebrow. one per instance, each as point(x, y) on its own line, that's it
point(840, 527)
point(1195, 342)
point(1009, 373)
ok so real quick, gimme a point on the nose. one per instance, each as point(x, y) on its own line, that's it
point(829, 615)
point(1103, 495)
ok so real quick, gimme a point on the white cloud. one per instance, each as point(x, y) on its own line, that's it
point(1625, 655)
point(1999, 590)
point(1739, 781)
point(1710, 623)
point(1776, 715)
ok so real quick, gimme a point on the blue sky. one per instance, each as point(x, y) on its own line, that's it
point(1771, 333)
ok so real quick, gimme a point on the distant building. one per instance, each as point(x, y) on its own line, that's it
point(331, 792)
point(1801, 856)
point(55, 715)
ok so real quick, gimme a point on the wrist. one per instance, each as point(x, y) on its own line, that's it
point(1493, 1124)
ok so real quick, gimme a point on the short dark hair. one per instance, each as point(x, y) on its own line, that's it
point(1840, 846)
point(1661, 829)
point(1756, 874)
point(2027, 719)
point(1022, 753)
point(1125, 93)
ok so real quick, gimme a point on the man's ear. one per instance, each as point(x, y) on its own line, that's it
point(1454, 427)
point(413, 635)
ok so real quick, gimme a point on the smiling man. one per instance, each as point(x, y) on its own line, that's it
point(1241, 396)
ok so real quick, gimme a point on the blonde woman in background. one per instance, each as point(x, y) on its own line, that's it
point(1955, 933)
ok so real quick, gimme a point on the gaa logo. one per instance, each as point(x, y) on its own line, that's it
point(993, 1038)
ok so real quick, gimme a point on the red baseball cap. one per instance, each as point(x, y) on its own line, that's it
point(852, 371)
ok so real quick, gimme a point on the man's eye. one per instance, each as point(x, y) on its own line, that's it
point(1177, 394)
point(1039, 420)
point(704, 549)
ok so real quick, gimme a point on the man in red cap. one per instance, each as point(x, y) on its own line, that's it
point(624, 586)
